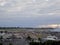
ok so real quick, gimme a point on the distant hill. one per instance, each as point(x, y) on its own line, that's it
point(25, 28)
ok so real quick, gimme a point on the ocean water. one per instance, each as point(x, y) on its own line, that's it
point(56, 30)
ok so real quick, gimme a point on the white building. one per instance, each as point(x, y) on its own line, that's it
point(51, 38)
point(4, 35)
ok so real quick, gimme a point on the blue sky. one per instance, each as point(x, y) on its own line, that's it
point(29, 13)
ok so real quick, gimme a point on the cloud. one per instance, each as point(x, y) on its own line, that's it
point(32, 8)
point(28, 7)
point(32, 11)
point(19, 4)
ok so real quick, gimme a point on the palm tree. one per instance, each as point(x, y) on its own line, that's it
point(1, 43)
point(1, 38)
point(40, 39)
point(10, 44)
point(29, 38)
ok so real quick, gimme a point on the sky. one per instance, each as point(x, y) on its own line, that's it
point(29, 13)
